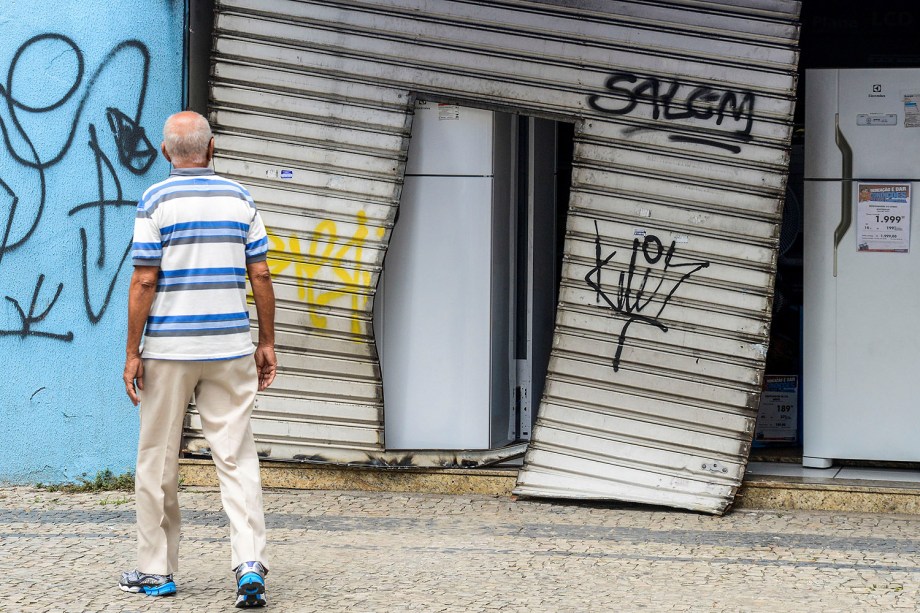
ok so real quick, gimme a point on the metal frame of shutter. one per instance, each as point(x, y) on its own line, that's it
point(683, 114)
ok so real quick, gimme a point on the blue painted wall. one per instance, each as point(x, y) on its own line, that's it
point(85, 86)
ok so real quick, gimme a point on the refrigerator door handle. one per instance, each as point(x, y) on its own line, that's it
point(846, 188)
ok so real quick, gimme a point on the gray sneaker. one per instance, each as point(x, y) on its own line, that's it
point(250, 585)
point(153, 585)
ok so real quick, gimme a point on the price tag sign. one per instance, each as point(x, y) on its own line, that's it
point(777, 419)
point(883, 217)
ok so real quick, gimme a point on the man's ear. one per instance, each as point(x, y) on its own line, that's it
point(210, 150)
point(165, 154)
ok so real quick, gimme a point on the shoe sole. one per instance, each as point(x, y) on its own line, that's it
point(251, 589)
point(250, 602)
point(167, 589)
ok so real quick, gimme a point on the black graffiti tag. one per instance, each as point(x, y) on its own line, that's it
point(627, 90)
point(134, 151)
point(103, 165)
point(634, 292)
point(27, 320)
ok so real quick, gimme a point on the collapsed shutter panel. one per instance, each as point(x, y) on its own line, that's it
point(683, 113)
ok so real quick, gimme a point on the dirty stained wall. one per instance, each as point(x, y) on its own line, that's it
point(84, 90)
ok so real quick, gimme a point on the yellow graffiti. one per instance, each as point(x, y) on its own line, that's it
point(326, 249)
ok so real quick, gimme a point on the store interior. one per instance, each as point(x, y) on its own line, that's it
point(835, 34)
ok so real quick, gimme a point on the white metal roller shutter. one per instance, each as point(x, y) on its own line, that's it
point(682, 112)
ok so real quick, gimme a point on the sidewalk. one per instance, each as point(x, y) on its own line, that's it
point(373, 551)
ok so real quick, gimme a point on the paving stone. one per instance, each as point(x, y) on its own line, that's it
point(376, 551)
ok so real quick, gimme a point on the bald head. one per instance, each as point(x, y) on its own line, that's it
point(187, 140)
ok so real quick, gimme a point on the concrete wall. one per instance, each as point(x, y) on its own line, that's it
point(84, 89)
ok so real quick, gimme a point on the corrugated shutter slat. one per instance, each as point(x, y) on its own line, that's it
point(683, 113)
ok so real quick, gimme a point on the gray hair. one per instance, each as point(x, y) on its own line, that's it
point(186, 136)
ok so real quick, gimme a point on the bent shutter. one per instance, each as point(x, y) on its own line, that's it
point(683, 119)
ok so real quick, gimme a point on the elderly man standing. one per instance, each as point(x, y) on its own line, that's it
point(196, 236)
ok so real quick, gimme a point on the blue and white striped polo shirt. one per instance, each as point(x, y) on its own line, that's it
point(201, 230)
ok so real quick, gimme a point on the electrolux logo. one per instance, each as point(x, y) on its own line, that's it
point(877, 91)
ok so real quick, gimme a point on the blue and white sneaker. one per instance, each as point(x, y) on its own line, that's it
point(250, 585)
point(152, 585)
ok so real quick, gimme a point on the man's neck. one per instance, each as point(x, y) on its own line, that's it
point(191, 164)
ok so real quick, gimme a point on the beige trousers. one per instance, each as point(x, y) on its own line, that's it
point(225, 391)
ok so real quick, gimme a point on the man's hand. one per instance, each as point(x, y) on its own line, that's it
point(134, 377)
point(266, 364)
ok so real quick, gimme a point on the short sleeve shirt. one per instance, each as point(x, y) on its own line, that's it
point(201, 230)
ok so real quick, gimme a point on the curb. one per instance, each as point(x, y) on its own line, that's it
point(756, 492)
point(489, 482)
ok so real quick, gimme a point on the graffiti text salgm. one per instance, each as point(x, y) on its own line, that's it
point(704, 103)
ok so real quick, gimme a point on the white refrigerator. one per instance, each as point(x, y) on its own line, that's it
point(861, 315)
point(442, 319)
